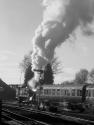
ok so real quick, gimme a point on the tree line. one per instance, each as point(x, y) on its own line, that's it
point(81, 77)
point(48, 74)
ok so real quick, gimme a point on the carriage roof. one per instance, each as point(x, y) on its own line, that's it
point(58, 86)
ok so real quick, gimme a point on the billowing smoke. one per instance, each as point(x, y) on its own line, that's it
point(61, 18)
point(34, 82)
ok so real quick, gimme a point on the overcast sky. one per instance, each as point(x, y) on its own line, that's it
point(18, 21)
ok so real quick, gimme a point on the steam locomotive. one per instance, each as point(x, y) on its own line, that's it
point(76, 96)
point(72, 96)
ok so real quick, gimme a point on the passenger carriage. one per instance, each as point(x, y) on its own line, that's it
point(61, 93)
point(90, 95)
point(75, 95)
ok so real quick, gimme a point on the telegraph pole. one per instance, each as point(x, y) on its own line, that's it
point(1, 89)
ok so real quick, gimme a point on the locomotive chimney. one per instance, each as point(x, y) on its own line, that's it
point(40, 73)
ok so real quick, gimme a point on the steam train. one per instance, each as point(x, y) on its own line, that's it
point(75, 97)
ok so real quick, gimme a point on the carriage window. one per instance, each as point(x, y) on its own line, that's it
point(49, 91)
point(45, 91)
point(58, 91)
point(93, 92)
point(89, 93)
point(53, 91)
point(62, 91)
point(67, 92)
point(79, 92)
point(73, 92)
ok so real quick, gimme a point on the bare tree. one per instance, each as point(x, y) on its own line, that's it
point(91, 74)
point(26, 62)
point(81, 76)
point(56, 66)
point(26, 66)
point(52, 68)
point(48, 75)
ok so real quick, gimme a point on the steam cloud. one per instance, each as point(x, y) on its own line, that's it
point(61, 18)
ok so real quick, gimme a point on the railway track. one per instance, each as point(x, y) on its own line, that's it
point(10, 117)
point(51, 118)
point(8, 120)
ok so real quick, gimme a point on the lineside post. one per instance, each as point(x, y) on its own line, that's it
point(0, 109)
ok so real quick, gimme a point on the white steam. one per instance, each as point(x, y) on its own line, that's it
point(61, 18)
point(34, 82)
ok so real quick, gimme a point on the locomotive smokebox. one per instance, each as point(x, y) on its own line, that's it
point(40, 73)
point(38, 70)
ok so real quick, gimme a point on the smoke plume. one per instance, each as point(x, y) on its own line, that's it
point(61, 18)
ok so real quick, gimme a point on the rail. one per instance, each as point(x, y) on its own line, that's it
point(54, 116)
point(18, 118)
